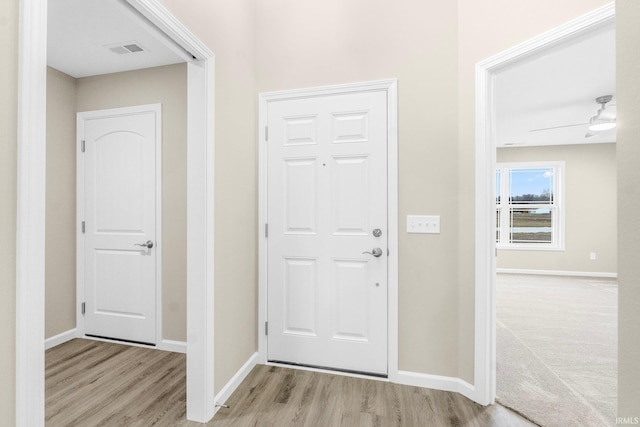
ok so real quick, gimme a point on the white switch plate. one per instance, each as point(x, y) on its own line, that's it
point(429, 224)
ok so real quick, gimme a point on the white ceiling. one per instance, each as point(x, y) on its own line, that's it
point(554, 88)
point(80, 33)
point(557, 88)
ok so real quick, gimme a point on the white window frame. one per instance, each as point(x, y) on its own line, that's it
point(558, 207)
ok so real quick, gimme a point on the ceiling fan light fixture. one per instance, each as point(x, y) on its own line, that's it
point(600, 124)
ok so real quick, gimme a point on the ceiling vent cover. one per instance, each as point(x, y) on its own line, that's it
point(123, 48)
point(133, 48)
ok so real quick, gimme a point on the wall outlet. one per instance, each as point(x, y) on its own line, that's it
point(428, 224)
point(592, 256)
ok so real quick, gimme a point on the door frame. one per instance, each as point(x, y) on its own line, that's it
point(390, 87)
point(484, 391)
point(31, 192)
point(81, 118)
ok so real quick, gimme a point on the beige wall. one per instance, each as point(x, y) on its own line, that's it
point(303, 44)
point(309, 44)
point(589, 208)
point(227, 28)
point(485, 29)
point(166, 85)
point(628, 82)
point(8, 115)
point(60, 240)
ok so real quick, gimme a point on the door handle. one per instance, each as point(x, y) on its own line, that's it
point(148, 244)
point(376, 252)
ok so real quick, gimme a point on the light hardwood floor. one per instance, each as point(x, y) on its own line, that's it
point(91, 383)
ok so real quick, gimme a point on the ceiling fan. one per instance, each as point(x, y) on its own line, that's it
point(599, 123)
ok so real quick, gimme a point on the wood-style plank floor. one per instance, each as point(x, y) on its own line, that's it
point(275, 396)
point(90, 383)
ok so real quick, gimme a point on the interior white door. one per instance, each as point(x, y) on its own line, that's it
point(327, 206)
point(120, 202)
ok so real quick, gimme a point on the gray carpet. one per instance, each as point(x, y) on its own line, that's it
point(557, 349)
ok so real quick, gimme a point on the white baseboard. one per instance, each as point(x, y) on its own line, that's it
point(173, 346)
point(60, 338)
point(557, 273)
point(436, 382)
point(236, 380)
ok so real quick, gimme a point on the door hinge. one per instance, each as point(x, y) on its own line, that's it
point(83, 308)
point(266, 133)
point(82, 144)
point(83, 227)
point(266, 328)
point(266, 230)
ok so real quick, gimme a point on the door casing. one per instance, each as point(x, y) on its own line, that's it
point(389, 86)
point(80, 200)
point(484, 388)
point(30, 238)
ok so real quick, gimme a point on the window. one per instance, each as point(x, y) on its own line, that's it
point(529, 211)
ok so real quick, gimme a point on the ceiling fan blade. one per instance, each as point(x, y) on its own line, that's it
point(558, 127)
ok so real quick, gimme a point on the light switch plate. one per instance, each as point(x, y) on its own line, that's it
point(428, 224)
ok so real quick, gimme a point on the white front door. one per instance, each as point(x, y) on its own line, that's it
point(327, 206)
point(119, 198)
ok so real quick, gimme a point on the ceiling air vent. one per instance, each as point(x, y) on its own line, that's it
point(133, 48)
point(121, 48)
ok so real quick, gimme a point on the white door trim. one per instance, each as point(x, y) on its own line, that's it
point(30, 220)
point(485, 302)
point(80, 199)
point(30, 240)
point(391, 88)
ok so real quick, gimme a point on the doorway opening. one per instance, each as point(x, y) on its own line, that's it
point(489, 154)
point(31, 208)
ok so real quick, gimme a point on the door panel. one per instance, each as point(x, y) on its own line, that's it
point(327, 191)
point(120, 283)
point(300, 289)
point(300, 196)
point(351, 300)
point(350, 196)
point(119, 181)
point(300, 130)
point(116, 271)
point(350, 127)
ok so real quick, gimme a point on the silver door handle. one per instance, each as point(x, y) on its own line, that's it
point(148, 244)
point(376, 252)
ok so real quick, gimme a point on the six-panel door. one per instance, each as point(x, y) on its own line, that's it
point(327, 193)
